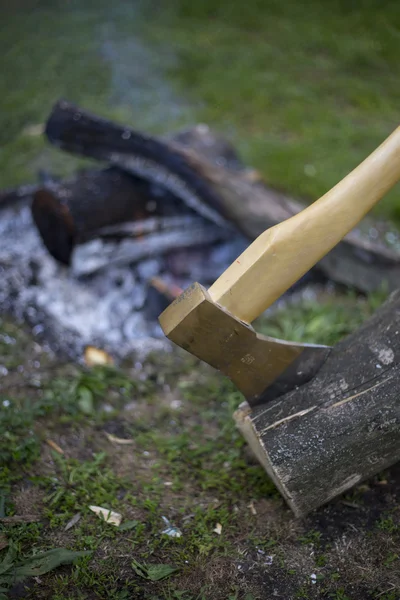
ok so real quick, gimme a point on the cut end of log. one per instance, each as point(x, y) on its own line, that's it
point(55, 225)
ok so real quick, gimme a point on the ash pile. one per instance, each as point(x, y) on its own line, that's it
point(95, 259)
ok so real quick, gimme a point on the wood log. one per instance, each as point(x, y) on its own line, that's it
point(340, 428)
point(70, 212)
point(77, 131)
point(224, 193)
point(212, 147)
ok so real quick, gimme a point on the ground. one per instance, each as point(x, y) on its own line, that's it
point(304, 92)
point(157, 441)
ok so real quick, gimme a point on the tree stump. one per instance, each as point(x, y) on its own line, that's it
point(340, 428)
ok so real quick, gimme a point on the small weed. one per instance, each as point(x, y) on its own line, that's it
point(390, 559)
point(387, 524)
point(81, 394)
point(23, 537)
point(153, 572)
point(302, 593)
point(72, 397)
point(311, 537)
point(264, 544)
point(18, 443)
point(321, 560)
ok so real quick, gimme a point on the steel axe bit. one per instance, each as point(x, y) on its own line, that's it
point(215, 325)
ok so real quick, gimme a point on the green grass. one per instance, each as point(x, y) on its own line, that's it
point(72, 485)
point(305, 91)
point(43, 49)
point(189, 464)
point(323, 321)
point(184, 453)
point(54, 50)
point(68, 398)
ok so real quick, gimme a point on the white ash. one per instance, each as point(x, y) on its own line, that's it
point(97, 254)
point(104, 310)
point(109, 308)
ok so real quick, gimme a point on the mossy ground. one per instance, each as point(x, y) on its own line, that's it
point(186, 462)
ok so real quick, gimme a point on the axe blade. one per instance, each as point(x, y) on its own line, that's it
point(262, 368)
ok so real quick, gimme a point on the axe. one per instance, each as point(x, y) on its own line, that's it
point(215, 324)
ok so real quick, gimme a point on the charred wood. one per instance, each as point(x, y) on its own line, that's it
point(79, 132)
point(221, 189)
point(71, 212)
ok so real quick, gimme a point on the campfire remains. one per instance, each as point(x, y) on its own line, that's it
point(95, 259)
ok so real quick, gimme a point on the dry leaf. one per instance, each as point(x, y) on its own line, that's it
point(107, 515)
point(218, 528)
point(72, 522)
point(252, 507)
point(34, 130)
point(55, 446)
point(94, 356)
point(116, 440)
point(3, 542)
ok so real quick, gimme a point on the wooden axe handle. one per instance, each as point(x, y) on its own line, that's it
point(285, 252)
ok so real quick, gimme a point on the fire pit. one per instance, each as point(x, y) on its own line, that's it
point(95, 259)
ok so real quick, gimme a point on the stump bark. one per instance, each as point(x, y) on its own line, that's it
point(342, 427)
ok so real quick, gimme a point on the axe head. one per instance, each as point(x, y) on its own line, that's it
point(261, 367)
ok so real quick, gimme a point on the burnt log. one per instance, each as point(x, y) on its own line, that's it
point(77, 131)
point(222, 192)
point(72, 212)
point(342, 427)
